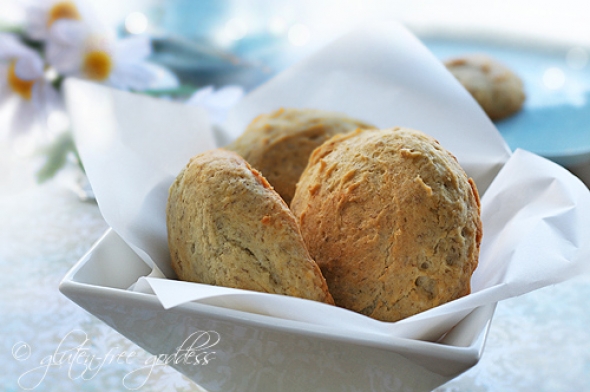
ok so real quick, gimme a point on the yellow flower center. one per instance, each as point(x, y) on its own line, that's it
point(97, 65)
point(24, 88)
point(62, 10)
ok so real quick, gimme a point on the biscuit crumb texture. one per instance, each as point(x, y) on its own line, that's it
point(228, 227)
point(392, 220)
point(279, 144)
point(497, 89)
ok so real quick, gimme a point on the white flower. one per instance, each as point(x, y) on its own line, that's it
point(77, 49)
point(23, 87)
point(42, 14)
point(216, 103)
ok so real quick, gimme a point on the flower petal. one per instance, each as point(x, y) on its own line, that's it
point(64, 48)
point(200, 96)
point(133, 48)
point(29, 67)
point(11, 47)
point(36, 21)
point(38, 16)
point(53, 98)
point(129, 76)
point(49, 98)
point(142, 76)
point(162, 78)
point(68, 32)
point(217, 103)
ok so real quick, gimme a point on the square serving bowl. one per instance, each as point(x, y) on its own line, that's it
point(250, 351)
point(261, 353)
point(535, 216)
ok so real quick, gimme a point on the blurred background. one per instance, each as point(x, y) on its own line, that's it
point(245, 41)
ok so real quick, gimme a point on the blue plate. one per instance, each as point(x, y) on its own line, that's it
point(555, 119)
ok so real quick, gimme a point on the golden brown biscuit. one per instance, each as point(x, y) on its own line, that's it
point(228, 227)
point(497, 89)
point(391, 219)
point(280, 143)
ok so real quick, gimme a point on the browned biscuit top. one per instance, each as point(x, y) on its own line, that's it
point(279, 144)
point(391, 219)
point(228, 227)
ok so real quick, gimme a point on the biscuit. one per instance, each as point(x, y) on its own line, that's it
point(497, 89)
point(228, 227)
point(279, 144)
point(392, 220)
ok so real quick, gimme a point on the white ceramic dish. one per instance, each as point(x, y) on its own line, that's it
point(131, 175)
point(261, 353)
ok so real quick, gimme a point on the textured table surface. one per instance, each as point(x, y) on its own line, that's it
point(537, 342)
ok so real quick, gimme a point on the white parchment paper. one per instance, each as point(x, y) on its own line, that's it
point(536, 215)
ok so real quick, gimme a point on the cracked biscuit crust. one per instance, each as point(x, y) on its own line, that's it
point(392, 220)
point(228, 227)
point(279, 144)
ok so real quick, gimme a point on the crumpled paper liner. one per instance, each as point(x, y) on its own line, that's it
point(536, 215)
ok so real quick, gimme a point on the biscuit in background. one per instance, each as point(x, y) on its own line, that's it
point(228, 227)
point(497, 89)
point(392, 220)
point(279, 144)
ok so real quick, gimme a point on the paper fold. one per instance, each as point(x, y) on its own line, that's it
point(132, 148)
point(535, 214)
